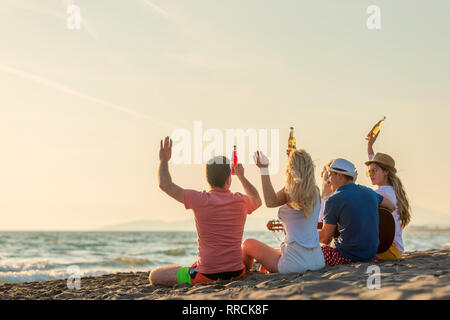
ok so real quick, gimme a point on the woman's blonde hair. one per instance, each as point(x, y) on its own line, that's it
point(403, 207)
point(300, 188)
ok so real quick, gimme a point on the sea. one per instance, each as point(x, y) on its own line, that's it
point(41, 256)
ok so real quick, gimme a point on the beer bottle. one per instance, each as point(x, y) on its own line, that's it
point(376, 128)
point(291, 140)
point(234, 160)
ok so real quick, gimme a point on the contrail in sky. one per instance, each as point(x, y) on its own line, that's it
point(87, 26)
point(60, 87)
point(156, 8)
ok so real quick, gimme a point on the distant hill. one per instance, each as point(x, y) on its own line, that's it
point(422, 220)
point(252, 224)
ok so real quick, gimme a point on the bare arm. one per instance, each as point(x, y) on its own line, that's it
point(370, 141)
point(164, 178)
point(249, 189)
point(326, 190)
point(166, 184)
point(388, 204)
point(271, 198)
point(326, 234)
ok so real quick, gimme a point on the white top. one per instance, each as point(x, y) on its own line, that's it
point(390, 193)
point(298, 228)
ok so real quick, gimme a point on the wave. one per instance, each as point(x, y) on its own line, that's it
point(174, 252)
point(27, 266)
point(184, 242)
point(132, 261)
point(43, 275)
point(121, 262)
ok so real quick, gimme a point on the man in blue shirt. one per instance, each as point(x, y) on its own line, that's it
point(353, 210)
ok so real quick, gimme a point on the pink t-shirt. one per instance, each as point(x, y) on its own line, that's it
point(219, 218)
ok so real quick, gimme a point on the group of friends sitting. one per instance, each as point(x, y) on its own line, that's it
point(340, 205)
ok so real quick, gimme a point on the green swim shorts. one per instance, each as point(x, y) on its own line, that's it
point(183, 275)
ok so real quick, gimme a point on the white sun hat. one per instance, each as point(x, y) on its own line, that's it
point(344, 166)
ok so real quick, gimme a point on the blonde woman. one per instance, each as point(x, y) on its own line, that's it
point(382, 173)
point(299, 203)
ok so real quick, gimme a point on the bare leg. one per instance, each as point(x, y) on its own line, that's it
point(164, 276)
point(266, 255)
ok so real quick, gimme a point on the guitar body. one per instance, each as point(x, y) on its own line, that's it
point(386, 231)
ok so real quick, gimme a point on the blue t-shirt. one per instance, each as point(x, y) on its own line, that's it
point(354, 210)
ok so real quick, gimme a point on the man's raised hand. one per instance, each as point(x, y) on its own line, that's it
point(165, 151)
point(261, 160)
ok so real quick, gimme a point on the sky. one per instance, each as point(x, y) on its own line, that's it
point(82, 111)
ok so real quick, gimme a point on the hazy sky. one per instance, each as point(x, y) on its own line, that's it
point(82, 111)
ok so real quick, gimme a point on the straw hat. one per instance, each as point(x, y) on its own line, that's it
point(383, 159)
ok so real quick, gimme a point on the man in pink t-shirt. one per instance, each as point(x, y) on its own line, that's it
point(220, 217)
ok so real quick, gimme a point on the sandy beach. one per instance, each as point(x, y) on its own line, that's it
point(419, 275)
